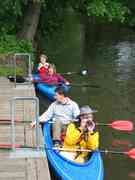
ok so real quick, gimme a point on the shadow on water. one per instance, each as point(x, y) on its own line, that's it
point(110, 51)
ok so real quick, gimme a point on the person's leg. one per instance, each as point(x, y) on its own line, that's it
point(57, 127)
point(63, 132)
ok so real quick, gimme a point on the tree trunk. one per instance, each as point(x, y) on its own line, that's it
point(30, 22)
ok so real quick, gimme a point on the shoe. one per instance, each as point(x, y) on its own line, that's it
point(57, 143)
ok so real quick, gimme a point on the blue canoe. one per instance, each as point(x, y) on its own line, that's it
point(69, 170)
point(45, 89)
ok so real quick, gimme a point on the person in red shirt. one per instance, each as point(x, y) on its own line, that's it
point(53, 78)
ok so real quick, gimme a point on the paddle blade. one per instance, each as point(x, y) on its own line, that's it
point(122, 125)
point(121, 142)
point(131, 153)
point(8, 146)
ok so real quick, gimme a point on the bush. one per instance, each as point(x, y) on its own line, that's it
point(10, 45)
point(6, 71)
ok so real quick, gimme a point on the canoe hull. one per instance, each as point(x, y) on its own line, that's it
point(68, 170)
point(45, 89)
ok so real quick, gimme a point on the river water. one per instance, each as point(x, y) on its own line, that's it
point(108, 52)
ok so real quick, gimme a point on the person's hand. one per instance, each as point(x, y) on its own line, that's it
point(33, 124)
point(91, 126)
point(42, 119)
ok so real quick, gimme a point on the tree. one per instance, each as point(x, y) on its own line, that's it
point(108, 9)
point(21, 17)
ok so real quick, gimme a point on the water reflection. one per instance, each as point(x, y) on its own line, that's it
point(125, 63)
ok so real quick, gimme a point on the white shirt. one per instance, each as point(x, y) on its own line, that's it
point(64, 112)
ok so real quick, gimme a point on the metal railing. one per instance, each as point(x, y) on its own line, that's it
point(29, 67)
point(13, 115)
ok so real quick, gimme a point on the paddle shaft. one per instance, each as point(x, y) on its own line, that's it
point(130, 153)
point(103, 124)
point(70, 73)
point(82, 72)
point(87, 150)
point(71, 84)
point(9, 146)
point(119, 125)
point(84, 85)
point(8, 122)
point(17, 146)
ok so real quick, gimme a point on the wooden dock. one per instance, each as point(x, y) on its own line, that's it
point(15, 167)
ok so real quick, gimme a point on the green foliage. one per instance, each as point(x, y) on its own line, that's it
point(9, 44)
point(10, 10)
point(108, 9)
point(51, 19)
point(10, 13)
point(52, 16)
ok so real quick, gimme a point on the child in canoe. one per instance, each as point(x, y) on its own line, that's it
point(81, 135)
point(43, 64)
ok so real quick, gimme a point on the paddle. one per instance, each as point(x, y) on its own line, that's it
point(9, 146)
point(130, 153)
point(84, 85)
point(122, 125)
point(71, 84)
point(122, 142)
point(8, 121)
point(82, 72)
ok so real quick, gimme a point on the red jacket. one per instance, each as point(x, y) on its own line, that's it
point(54, 79)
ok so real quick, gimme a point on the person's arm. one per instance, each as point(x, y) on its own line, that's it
point(73, 135)
point(46, 116)
point(75, 110)
point(93, 136)
point(61, 79)
point(93, 140)
point(46, 65)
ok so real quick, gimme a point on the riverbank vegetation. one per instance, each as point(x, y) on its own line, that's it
point(23, 22)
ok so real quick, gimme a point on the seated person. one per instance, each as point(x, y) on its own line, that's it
point(53, 78)
point(81, 135)
point(43, 64)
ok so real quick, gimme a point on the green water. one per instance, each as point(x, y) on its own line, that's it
point(109, 53)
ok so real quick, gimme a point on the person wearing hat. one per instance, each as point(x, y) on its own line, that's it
point(81, 135)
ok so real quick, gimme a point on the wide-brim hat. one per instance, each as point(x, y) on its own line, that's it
point(87, 110)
